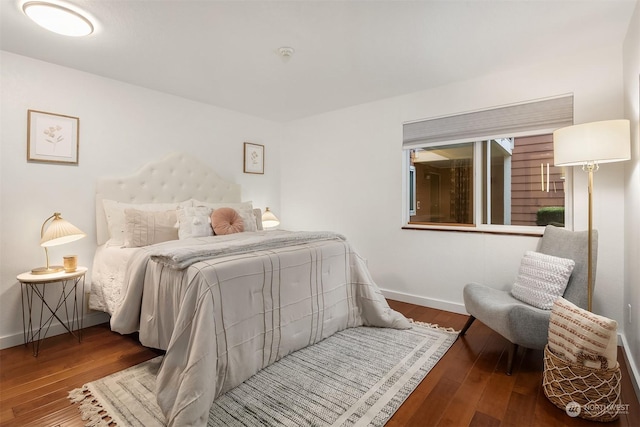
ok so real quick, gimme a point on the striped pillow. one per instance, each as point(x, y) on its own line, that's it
point(541, 279)
point(573, 330)
point(145, 228)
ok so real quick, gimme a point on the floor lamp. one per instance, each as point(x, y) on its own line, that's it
point(588, 145)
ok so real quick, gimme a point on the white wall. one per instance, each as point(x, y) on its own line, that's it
point(632, 192)
point(340, 171)
point(121, 128)
point(343, 171)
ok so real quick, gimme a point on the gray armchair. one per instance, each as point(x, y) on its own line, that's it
point(520, 323)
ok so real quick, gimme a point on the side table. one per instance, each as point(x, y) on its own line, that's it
point(37, 284)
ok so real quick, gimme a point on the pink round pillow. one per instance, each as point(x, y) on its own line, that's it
point(226, 221)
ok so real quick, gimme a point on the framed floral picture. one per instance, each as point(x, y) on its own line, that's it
point(52, 138)
point(253, 158)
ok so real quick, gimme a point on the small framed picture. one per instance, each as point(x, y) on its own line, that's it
point(253, 158)
point(52, 138)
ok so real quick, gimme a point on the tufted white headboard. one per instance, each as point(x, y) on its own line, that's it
point(175, 178)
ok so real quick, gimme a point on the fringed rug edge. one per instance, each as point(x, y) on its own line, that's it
point(91, 410)
point(436, 326)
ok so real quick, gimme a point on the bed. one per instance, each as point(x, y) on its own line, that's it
point(221, 306)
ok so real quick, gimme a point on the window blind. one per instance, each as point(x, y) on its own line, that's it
point(546, 114)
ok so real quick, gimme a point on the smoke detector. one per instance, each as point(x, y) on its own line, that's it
point(286, 51)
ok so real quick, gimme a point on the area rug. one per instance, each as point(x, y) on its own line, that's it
point(357, 377)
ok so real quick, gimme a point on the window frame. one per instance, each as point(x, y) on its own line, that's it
point(478, 209)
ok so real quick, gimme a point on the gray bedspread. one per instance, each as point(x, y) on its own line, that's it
point(224, 307)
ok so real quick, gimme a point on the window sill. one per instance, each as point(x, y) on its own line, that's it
point(485, 229)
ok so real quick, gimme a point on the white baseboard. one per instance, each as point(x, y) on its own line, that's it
point(90, 319)
point(453, 307)
point(631, 364)
point(459, 308)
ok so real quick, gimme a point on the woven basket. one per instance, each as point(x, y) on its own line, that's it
point(596, 391)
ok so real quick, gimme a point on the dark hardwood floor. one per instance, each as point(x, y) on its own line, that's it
point(468, 386)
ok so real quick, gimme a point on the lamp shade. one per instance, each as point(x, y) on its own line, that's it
point(597, 142)
point(60, 231)
point(269, 220)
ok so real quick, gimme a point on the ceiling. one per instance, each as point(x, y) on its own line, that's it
point(348, 52)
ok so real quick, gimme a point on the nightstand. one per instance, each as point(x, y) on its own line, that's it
point(42, 284)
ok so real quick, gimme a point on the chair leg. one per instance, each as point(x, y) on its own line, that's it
point(467, 325)
point(513, 349)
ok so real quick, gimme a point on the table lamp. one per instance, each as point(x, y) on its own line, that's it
point(588, 145)
point(269, 220)
point(59, 232)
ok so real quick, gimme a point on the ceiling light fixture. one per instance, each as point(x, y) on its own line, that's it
point(58, 19)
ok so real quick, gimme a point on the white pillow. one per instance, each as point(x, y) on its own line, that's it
point(144, 228)
point(542, 279)
point(114, 212)
point(258, 214)
point(245, 209)
point(194, 222)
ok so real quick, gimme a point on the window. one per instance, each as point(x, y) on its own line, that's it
point(510, 180)
point(516, 180)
